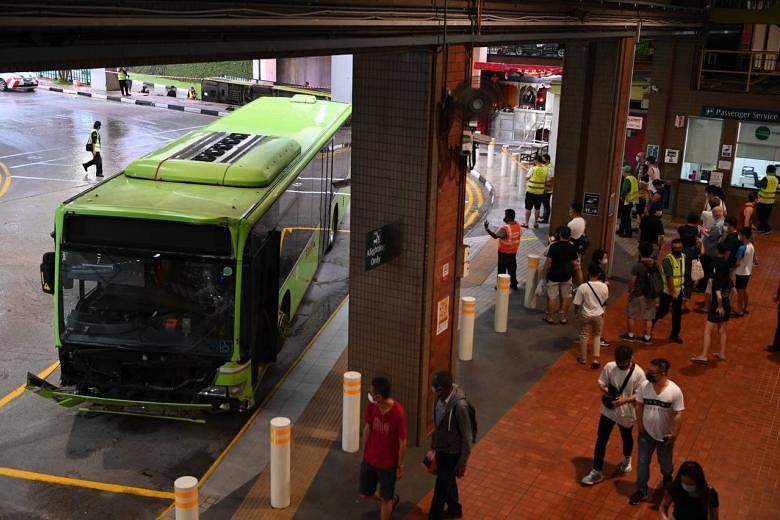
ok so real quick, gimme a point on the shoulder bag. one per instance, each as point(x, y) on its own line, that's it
point(613, 393)
point(603, 304)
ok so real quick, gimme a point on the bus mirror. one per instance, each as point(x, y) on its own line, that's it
point(47, 273)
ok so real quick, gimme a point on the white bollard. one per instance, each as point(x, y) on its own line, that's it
point(469, 312)
point(504, 160)
point(281, 435)
point(531, 279)
point(513, 169)
point(491, 152)
point(502, 303)
point(522, 173)
point(185, 492)
point(350, 415)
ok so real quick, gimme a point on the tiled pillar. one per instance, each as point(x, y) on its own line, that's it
point(592, 131)
point(405, 175)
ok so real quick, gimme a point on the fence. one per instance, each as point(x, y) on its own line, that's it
point(739, 71)
point(83, 76)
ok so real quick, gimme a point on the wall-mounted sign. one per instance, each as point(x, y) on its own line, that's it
point(652, 150)
point(376, 248)
point(671, 156)
point(590, 204)
point(634, 123)
point(679, 121)
point(725, 150)
point(724, 165)
point(741, 114)
point(716, 178)
point(445, 271)
point(442, 315)
point(763, 133)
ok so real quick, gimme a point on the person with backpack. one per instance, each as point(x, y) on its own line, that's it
point(619, 382)
point(452, 437)
point(673, 275)
point(589, 302)
point(644, 288)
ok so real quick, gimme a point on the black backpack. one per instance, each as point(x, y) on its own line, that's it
point(473, 419)
point(652, 282)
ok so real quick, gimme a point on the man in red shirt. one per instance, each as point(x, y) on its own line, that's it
point(384, 447)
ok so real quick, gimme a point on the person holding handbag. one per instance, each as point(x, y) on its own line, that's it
point(619, 382)
point(589, 303)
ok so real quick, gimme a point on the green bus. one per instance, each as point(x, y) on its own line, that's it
point(175, 280)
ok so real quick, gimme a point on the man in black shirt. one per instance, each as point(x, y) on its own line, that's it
point(562, 264)
point(731, 240)
point(651, 228)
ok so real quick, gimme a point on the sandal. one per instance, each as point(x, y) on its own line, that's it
point(581, 361)
point(700, 361)
point(549, 320)
point(564, 320)
point(717, 355)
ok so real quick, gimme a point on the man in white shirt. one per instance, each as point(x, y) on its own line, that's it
point(659, 406)
point(589, 302)
point(745, 256)
point(619, 382)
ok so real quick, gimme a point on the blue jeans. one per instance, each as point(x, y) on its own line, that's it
point(647, 445)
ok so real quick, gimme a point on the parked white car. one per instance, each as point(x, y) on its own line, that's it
point(18, 81)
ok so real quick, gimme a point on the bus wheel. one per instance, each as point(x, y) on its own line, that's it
point(334, 227)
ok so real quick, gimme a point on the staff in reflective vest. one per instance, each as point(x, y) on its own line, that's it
point(124, 81)
point(508, 237)
point(534, 193)
point(629, 195)
point(93, 145)
point(673, 274)
point(766, 198)
point(549, 185)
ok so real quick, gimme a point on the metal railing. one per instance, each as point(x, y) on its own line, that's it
point(739, 71)
point(83, 76)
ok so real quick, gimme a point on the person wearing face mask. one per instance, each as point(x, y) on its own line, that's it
point(673, 275)
point(719, 306)
point(659, 407)
point(384, 447)
point(508, 237)
point(690, 496)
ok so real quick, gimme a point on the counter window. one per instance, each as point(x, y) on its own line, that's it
point(758, 146)
point(702, 146)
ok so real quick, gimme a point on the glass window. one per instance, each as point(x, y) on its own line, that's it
point(702, 146)
point(758, 146)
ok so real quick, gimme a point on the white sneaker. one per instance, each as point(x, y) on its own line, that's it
point(625, 466)
point(594, 477)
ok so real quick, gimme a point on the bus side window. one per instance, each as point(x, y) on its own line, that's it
point(264, 305)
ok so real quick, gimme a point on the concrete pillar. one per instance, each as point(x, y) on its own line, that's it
point(314, 69)
point(591, 132)
point(403, 182)
point(341, 78)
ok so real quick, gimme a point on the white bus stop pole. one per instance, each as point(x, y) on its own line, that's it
point(281, 435)
point(469, 311)
point(502, 303)
point(185, 491)
point(350, 417)
point(491, 152)
point(531, 279)
point(513, 169)
point(504, 160)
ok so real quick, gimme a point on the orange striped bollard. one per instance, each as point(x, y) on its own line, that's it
point(502, 303)
point(281, 435)
point(469, 311)
point(185, 492)
point(350, 416)
point(504, 164)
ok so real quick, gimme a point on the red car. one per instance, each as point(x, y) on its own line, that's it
point(18, 81)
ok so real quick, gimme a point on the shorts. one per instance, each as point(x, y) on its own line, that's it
point(371, 476)
point(741, 281)
point(533, 200)
point(562, 289)
point(641, 308)
point(712, 315)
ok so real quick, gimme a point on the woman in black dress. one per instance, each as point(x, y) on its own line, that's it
point(691, 496)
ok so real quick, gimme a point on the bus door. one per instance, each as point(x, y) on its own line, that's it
point(327, 233)
point(263, 301)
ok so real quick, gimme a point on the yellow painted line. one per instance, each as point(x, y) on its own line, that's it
point(288, 230)
point(5, 179)
point(471, 215)
point(20, 390)
point(469, 195)
point(88, 484)
point(260, 407)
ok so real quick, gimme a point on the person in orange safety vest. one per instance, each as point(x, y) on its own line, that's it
point(508, 237)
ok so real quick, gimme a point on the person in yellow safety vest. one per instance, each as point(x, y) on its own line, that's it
point(534, 193)
point(673, 274)
point(629, 196)
point(508, 244)
point(766, 198)
point(93, 145)
point(548, 188)
point(124, 81)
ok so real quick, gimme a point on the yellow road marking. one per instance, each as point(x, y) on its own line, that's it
point(20, 390)
point(469, 196)
point(89, 484)
point(473, 189)
point(5, 179)
point(259, 408)
point(288, 230)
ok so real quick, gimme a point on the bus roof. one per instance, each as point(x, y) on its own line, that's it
point(181, 181)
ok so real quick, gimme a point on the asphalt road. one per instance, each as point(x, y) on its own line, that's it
point(42, 138)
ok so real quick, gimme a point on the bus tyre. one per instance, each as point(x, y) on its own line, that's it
point(334, 227)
